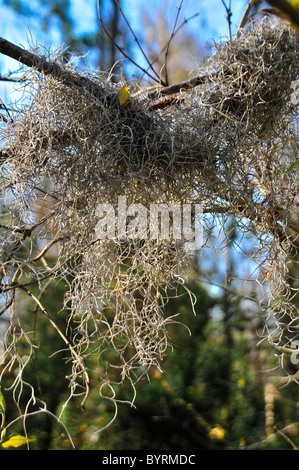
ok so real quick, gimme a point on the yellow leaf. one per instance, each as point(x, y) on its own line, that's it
point(16, 441)
point(2, 403)
point(124, 96)
point(217, 433)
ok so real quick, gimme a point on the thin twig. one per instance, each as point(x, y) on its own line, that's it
point(7, 305)
point(6, 109)
point(228, 17)
point(66, 341)
point(169, 41)
point(285, 437)
point(12, 80)
point(136, 40)
point(157, 80)
point(186, 20)
point(183, 86)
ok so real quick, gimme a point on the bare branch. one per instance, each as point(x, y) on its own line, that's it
point(12, 80)
point(228, 17)
point(137, 41)
point(70, 79)
point(245, 17)
point(7, 111)
point(182, 86)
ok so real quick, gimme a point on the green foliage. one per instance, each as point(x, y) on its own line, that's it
point(12, 440)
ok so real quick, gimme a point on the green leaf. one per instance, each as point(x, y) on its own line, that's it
point(16, 441)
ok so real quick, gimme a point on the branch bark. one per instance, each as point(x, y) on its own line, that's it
point(182, 86)
point(55, 69)
point(70, 79)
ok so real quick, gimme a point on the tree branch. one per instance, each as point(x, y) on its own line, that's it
point(71, 79)
point(182, 86)
point(228, 17)
point(8, 79)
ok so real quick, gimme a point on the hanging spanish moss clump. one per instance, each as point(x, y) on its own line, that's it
point(229, 145)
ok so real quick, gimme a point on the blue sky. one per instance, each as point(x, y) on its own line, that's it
point(211, 22)
point(23, 30)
